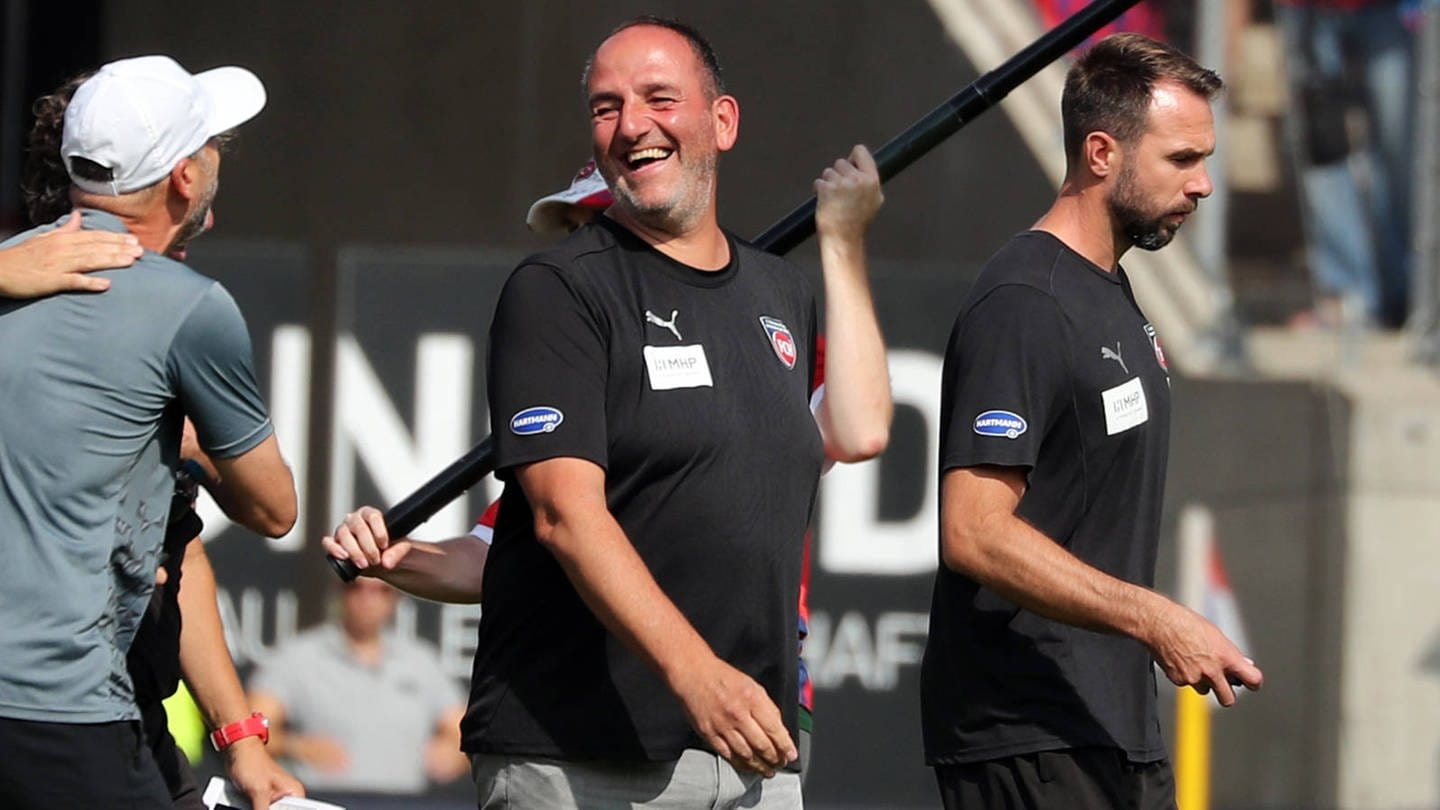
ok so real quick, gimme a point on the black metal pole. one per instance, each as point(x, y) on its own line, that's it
point(940, 123)
point(797, 226)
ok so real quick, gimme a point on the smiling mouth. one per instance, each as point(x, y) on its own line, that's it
point(640, 158)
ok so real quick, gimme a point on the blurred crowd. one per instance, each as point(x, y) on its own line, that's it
point(1344, 133)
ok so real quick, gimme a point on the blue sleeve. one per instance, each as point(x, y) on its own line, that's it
point(211, 363)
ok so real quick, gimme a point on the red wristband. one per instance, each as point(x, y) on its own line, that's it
point(256, 725)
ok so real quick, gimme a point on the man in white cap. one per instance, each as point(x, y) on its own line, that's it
point(91, 429)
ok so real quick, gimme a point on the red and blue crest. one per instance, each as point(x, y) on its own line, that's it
point(780, 340)
point(1155, 344)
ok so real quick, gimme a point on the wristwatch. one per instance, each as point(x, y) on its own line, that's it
point(256, 725)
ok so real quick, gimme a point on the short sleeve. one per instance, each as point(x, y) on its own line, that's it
point(1006, 374)
point(211, 362)
point(547, 372)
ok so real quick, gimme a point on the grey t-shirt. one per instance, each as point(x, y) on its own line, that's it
point(92, 393)
point(382, 715)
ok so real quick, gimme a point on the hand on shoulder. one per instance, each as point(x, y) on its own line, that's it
point(59, 260)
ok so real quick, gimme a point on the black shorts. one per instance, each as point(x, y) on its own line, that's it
point(77, 766)
point(174, 767)
point(1072, 779)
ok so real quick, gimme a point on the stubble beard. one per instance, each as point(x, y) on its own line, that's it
point(1144, 229)
point(194, 224)
point(683, 210)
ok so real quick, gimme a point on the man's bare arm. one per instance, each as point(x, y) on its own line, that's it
point(445, 571)
point(729, 710)
point(255, 489)
point(855, 415)
point(210, 673)
point(982, 537)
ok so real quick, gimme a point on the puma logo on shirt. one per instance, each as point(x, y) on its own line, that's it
point(1106, 353)
point(651, 317)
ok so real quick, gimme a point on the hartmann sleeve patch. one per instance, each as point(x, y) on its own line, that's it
point(1000, 424)
point(537, 419)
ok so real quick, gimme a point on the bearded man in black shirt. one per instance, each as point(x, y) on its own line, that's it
point(1038, 688)
point(649, 389)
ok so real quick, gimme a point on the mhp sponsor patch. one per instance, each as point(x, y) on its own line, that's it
point(539, 419)
point(1000, 424)
point(673, 367)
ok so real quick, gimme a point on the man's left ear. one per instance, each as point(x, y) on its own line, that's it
point(727, 122)
point(1102, 153)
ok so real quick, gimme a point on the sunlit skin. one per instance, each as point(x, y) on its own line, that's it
point(658, 133)
point(200, 216)
point(167, 215)
point(1163, 176)
point(1118, 195)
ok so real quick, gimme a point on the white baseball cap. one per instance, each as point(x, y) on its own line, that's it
point(139, 117)
point(587, 190)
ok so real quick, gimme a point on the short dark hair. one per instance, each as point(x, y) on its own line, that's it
point(45, 185)
point(1109, 87)
point(701, 47)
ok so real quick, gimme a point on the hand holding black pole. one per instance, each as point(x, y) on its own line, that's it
point(431, 497)
point(797, 226)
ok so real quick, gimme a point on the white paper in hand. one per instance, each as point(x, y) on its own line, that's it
point(221, 795)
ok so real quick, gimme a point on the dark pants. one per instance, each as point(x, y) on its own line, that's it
point(77, 766)
point(174, 767)
point(1072, 779)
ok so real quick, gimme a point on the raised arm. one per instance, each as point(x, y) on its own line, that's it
point(854, 416)
point(983, 538)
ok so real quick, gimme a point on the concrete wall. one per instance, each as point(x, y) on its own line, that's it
point(1327, 503)
point(1262, 456)
point(1389, 735)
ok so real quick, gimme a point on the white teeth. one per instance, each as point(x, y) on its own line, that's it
point(653, 153)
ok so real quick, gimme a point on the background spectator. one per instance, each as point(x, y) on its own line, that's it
point(1348, 59)
point(356, 708)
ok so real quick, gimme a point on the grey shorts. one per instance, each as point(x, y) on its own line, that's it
point(698, 779)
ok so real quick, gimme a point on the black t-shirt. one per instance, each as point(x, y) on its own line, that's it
point(1052, 367)
point(154, 657)
point(691, 389)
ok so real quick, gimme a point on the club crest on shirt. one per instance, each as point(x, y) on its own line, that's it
point(780, 340)
point(537, 419)
point(1155, 344)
